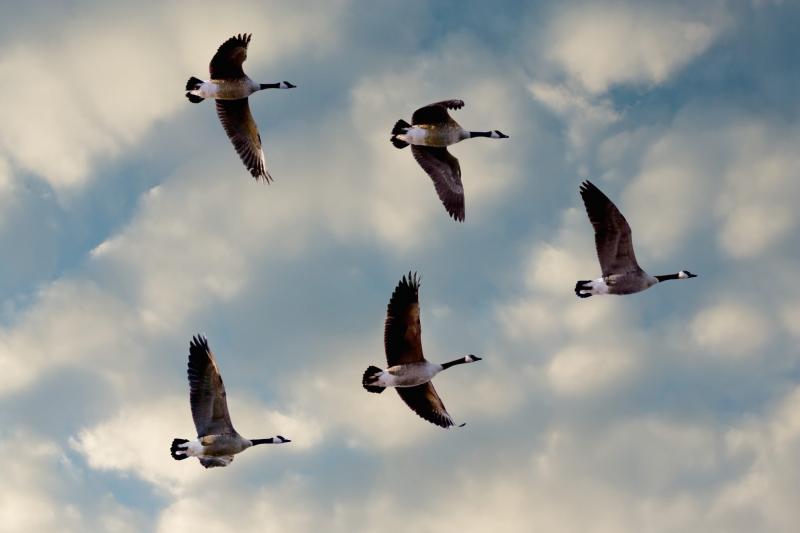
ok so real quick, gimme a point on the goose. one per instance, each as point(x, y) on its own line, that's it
point(431, 132)
point(408, 371)
point(230, 87)
point(612, 237)
point(217, 441)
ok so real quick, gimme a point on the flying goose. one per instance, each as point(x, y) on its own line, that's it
point(612, 237)
point(230, 87)
point(433, 130)
point(408, 371)
point(217, 441)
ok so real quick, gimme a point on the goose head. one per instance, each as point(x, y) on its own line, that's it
point(685, 274)
point(497, 134)
point(471, 358)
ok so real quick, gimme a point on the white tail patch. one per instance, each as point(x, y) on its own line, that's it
point(207, 90)
point(414, 135)
point(193, 448)
point(385, 379)
point(598, 286)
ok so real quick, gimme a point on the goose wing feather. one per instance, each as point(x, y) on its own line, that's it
point(424, 401)
point(402, 330)
point(242, 130)
point(436, 113)
point(445, 171)
point(227, 62)
point(612, 234)
point(207, 391)
point(220, 460)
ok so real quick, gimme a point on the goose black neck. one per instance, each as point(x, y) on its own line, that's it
point(263, 441)
point(270, 85)
point(453, 363)
point(480, 134)
point(665, 277)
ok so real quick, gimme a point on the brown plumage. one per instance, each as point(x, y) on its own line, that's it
point(227, 62)
point(445, 171)
point(217, 440)
point(207, 395)
point(241, 128)
point(612, 234)
point(402, 338)
point(231, 87)
point(432, 130)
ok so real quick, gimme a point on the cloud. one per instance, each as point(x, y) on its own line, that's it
point(583, 368)
point(586, 117)
point(44, 338)
point(602, 45)
point(733, 329)
point(43, 492)
point(763, 497)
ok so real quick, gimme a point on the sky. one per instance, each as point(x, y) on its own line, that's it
point(128, 225)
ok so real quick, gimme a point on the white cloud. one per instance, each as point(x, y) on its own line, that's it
point(582, 368)
point(45, 337)
point(228, 508)
point(757, 204)
point(764, 498)
point(28, 499)
point(730, 328)
point(586, 116)
point(601, 45)
point(790, 317)
point(729, 174)
point(42, 492)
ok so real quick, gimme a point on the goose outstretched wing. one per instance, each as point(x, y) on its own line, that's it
point(219, 460)
point(402, 330)
point(242, 130)
point(445, 172)
point(612, 234)
point(227, 62)
point(424, 401)
point(436, 113)
point(207, 392)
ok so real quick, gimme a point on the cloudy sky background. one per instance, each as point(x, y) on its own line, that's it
point(128, 224)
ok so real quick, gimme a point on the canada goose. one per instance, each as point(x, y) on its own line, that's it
point(217, 442)
point(612, 237)
point(230, 87)
point(408, 370)
point(431, 132)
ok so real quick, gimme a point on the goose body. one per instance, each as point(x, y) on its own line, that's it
point(431, 131)
point(230, 87)
point(217, 441)
point(226, 89)
point(438, 135)
point(614, 243)
point(408, 371)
